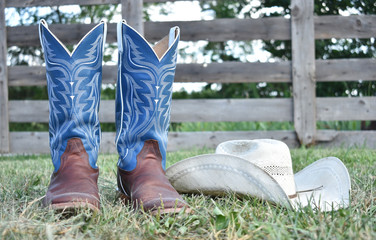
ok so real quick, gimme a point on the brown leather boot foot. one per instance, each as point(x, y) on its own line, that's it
point(74, 185)
point(147, 185)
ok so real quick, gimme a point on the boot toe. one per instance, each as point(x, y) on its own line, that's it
point(74, 185)
point(162, 205)
point(71, 200)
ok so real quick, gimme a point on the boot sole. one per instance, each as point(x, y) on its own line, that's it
point(73, 207)
point(126, 200)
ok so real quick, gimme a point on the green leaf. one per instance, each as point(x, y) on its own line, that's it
point(221, 222)
point(218, 212)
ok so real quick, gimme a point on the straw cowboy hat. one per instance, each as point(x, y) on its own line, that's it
point(263, 168)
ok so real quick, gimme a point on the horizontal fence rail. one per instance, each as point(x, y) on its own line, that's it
point(218, 30)
point(218, 110)
point(44, 3)
point(37, 142)
point(333, 70)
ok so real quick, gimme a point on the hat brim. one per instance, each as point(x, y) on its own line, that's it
point(324, 185)
point(219, 174)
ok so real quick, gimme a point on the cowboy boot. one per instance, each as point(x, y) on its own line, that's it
point(143, 97)
point(74, 83)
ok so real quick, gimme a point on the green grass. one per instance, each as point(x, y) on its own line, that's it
point(24, 180)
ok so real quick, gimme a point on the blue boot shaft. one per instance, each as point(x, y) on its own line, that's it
point(74, 84)
point(143, 93)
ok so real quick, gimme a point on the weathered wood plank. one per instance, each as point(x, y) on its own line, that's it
point(181, 110)
point(43, 3)
point(355, 26)
point(216, 30)
point(27, 76)
point(4, 114)
point(347, 109)
point(132, 12)
point(345, 139)
point(213, 30)
point(34, 3)
point(28, 111)
point(303, 70)
point(189, 140)
point(107, 111)
point(338, 70)
point(108, 143)
point(38, 142)
point(219, 30)
point(214, 110)
point(29, 142)
point(234, 72)
point(232, 110)
point(227, 72)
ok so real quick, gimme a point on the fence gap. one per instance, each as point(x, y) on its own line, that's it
point(131, 11)
point(4, 114)
point(303, 70)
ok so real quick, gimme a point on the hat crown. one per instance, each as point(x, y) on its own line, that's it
point(270, 155)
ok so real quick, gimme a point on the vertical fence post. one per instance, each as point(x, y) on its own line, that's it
point(132, 11)
point(4, 114)
point(303, 70)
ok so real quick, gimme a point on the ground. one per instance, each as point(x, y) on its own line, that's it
point(24, 180)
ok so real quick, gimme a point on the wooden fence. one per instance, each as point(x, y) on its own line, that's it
point(304, 108)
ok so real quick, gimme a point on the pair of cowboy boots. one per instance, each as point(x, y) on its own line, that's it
point(143, 98)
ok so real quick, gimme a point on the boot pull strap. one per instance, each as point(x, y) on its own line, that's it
point(172, 35)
